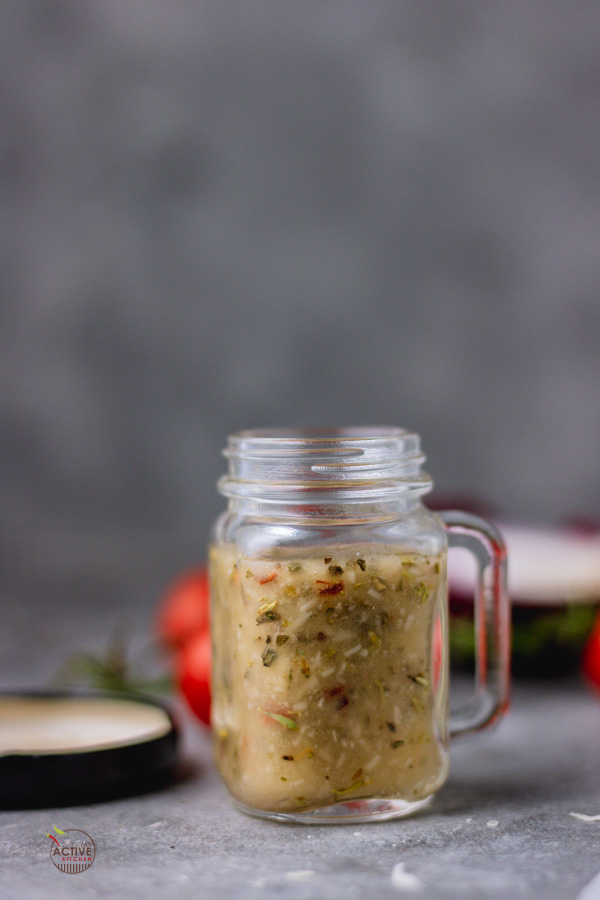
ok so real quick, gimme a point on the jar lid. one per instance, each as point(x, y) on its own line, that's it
point(61, 748)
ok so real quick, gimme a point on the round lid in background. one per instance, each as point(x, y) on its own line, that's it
point(61, 748)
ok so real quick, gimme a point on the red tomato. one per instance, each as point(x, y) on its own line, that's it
point(193, 672)
point(184, 610)
point(591, 655)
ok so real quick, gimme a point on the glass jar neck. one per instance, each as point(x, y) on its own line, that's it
point(340, 473)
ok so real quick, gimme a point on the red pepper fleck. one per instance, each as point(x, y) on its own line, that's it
point(333, 692)
point(330, 589)
point(342, 702)
point(267, 579)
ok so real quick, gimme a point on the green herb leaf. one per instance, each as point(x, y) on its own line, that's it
point(283, 720)
point(353, 787)
point(422, 591)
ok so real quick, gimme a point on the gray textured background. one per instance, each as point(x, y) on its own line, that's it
point(224, 214)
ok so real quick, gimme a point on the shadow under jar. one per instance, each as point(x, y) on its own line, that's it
point(329, 625)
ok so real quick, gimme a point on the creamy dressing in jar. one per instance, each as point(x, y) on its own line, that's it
point(327, 676)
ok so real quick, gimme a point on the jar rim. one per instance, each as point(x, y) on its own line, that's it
point(322, 434)
point(345, 462)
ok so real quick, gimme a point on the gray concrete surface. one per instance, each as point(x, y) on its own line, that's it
point(188, 842)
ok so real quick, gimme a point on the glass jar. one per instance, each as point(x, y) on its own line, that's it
point(329, 623)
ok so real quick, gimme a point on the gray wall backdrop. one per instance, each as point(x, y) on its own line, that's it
point(217, 215)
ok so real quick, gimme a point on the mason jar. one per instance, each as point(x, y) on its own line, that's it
point(330, 626)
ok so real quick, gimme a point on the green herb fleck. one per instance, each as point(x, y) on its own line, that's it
point(353, 787)
point(361, 564)
point(267, 613)
point(305, 668)
point(436, 568)
point(282, 639)
point(422, 591)
point(396, 744)
point(267, 607)
point(294, 567)
point(391, 726)
point(336, 570)
point(269, 656)
point(270, 616)
point(283, 720)
point(248, 573)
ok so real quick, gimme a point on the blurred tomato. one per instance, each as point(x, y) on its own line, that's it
point(183, 612)
point(193, 673)
point(591, 655)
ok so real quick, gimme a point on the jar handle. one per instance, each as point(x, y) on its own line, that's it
point(489, 700)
